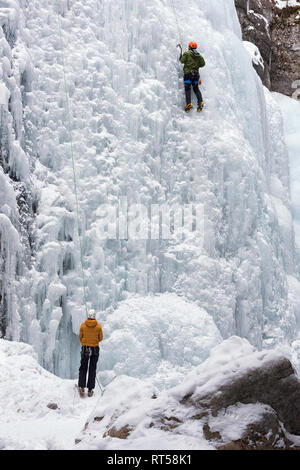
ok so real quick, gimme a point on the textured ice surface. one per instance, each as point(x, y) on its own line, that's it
point(291, 116)
point(15, 181)
point(158, 336)
point(131, 138)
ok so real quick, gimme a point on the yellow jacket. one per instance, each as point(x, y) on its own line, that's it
point(90, 333)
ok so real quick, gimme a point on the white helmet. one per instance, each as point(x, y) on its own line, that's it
point(92, 314)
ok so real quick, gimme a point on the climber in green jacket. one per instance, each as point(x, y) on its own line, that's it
point(192, 61)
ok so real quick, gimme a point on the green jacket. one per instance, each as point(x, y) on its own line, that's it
point(192, 61)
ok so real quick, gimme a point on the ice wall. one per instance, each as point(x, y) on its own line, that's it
point(291, 114)
point(131, 140)
point(17, 196)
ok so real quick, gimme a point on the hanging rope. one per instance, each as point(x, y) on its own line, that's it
point(74, 172)
point(58, 4)
point(91, 415)
point(177, 23)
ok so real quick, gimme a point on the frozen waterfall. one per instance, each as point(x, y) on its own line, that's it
point(132, 144)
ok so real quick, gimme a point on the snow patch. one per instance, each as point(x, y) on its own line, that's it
point(254, 53)
point(234, 419)
point(285, 3)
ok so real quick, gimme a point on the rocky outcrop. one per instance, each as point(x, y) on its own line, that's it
point(121, 433)
point(274, 384)
point(285, 65)
point(276, 33)
point(273, 390)
point(255, 19)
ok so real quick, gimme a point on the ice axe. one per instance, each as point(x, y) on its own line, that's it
point(180, 46)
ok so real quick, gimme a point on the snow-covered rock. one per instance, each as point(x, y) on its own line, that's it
point(255, 56)
point(236, 394)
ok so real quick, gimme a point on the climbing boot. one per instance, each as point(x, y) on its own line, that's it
point(81, 391)
point(188, 107)
point(200, 107)
point(90, 393)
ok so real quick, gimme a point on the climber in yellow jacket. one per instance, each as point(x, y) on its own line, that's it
point(90, 335)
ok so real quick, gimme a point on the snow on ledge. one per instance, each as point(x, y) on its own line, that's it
point(286, 3)
point(254, 53)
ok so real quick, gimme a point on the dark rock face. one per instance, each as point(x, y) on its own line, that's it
point(276, 33)
point(256, 29)
point(285, 66)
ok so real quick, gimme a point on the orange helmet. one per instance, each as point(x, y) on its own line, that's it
point(193, 45)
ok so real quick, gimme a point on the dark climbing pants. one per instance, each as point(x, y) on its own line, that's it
point(89, 359)
point(192, 80)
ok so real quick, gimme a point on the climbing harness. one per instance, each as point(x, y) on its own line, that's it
point(58, 4)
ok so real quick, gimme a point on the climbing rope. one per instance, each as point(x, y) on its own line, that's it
point(74, 170)
point(91, 415)
point(177, 22)
point(58, 4)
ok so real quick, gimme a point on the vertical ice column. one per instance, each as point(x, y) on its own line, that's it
point(16, 199)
